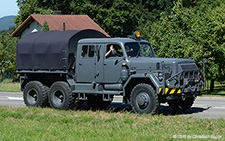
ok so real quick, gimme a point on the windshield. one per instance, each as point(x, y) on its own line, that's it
point(139, 49)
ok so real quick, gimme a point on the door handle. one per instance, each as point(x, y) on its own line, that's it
point(97, 73)
point(80, 63)
point(105, 64)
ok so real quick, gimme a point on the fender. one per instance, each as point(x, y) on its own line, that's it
point(141, 76)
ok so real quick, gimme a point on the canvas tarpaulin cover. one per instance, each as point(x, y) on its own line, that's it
point(53, 50)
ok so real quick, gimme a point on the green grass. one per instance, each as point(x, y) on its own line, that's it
point(49, 124)
point(217, 93)
point(9, 87)
point(219, 90)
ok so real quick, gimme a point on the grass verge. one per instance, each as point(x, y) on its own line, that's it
point(219, 90)
point(9, 87)
point(50, 124)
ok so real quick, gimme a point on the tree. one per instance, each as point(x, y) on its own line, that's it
point(121, 17)
point(28, 7)
point(45, 27)
point(192, 32)
point(7, 55)
point(118, 17)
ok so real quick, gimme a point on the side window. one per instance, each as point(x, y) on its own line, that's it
point(91, 51)
point(84, 51)
point(113, 50)
point(88, 51)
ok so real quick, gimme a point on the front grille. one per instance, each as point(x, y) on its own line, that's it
point(191, 74)
point(189, 67)
point(167, 75)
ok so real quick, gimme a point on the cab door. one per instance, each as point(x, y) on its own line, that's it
point(85, 66)
point(113, 64)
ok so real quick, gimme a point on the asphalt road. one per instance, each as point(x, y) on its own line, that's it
point(204, 107)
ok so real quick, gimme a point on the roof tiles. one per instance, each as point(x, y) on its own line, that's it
point(55, 22)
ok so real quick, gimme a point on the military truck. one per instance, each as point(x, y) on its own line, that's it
point(64, 69)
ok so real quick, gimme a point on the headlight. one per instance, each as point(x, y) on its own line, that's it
point(160, 76)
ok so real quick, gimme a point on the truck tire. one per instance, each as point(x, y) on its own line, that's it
point(60, 96)
point(180, 105)
point(47, 104)
point(97, 102)
point(35, 94)
point(144, 99)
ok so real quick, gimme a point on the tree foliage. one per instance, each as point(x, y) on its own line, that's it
point(45, 27)
point(7, 55)
point(192, 32)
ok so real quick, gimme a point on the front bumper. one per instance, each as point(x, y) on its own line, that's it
point(185, 84)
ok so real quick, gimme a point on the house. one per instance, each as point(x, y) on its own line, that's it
point(56, 22)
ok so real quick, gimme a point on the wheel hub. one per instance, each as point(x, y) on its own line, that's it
point(58, 97)
point(32, 96)
point(142, 100)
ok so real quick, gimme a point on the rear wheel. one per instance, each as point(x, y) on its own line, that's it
point(35, 94)
point(144, 99)
point(60, 96)
point(97, 101)
point(181, 105)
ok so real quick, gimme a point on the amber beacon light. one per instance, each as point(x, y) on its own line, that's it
point(138, 34)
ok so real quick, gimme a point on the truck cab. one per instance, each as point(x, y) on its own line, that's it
point(135, 63)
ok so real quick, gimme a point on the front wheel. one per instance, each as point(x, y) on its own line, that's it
point(60, 96)
point(144, 99)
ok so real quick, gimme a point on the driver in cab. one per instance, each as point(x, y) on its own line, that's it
point(113, 52)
